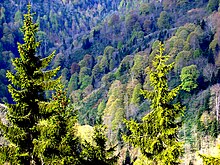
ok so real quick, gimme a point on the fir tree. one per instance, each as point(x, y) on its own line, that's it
point(156, 135)
point(28, 84)
point(97, 153)
point(58, 142)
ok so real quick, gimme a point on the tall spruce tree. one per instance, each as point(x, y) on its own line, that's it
point(156, 135)
point(28, 84)
point(58, 142)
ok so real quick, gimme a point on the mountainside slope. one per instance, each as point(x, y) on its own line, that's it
point(104, 47)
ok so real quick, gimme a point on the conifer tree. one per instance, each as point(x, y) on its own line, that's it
point(28, 84)
point(98, 153)
point(156, 135)
point(58, 142)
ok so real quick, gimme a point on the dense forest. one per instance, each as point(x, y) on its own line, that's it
point(110, 82)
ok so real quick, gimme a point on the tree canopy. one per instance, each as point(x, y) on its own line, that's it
point(31, 110)
point(156, 135)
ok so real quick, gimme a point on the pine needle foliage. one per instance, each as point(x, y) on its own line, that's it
point(156, 135)
point(58, 142)
point(98, 153)
point(28, 85)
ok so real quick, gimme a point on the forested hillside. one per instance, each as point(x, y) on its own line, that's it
point(104, 48)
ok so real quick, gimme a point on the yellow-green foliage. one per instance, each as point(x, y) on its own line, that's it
point(213, 45)
point(85, 132)
point(164, 21)
point(189, 76)
point(138, 68)
point(99, 152)
point(40, 131)
point(210, 160)
point(136, 96)
point(27, 87)
point(156, 135)
point(114, 111)
point(182, 60)
point(142, 160)
point(58, 133)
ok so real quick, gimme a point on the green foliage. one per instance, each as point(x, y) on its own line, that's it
point(130, 20)
point(73, 83)
point(125, 66)
point(181, 60)
point(164, 21)
point(100, 110)
point(6, 153)
point(33, 130)
point(88, 111)
point(182, 34)
point(193, 40)
point(58, 60)
point(3, 87)
point(78, 17)
point(41, 131)
point(213, 5)
point(57, 142)
point(156, 135)
point(88, 61)
point(136, 96)
point(108, 79)
point(213, 45)
point(137, 70)
point(99, 153)
point(103, 65)
point(197, 53)
point(114, 111)
point(18, 17)
point(142, 160)
point(86, 81)
point(189, 76)
point(65, 76)
point(84, 77)
point(109, 58)
point(2, 13)
point(146, 8)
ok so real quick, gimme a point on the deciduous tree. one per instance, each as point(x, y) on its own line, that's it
point(164, 21)
point(189, 76)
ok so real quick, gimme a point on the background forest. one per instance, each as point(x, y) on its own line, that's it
point(104, 47)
